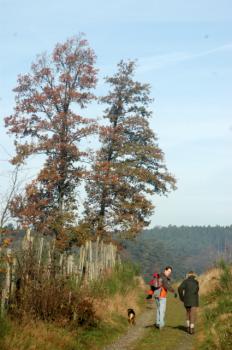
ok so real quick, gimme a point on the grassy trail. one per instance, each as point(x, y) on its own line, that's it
point(144, 336)
point(173, 336)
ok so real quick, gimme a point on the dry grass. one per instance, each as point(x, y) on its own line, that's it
point(119, 303)
point(225, 317)
point(209, 281)
point(37, 336)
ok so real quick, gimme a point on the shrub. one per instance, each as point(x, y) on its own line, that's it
point(85, 314)
point(42, 293)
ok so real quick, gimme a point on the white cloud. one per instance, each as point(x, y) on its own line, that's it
point(160, 61)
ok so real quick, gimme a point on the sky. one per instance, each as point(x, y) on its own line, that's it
point(183, 50)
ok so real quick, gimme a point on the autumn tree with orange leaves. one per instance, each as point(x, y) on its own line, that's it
point(129, 167)
point(47, 121)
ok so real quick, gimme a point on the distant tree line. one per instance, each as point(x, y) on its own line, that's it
point(185, 248)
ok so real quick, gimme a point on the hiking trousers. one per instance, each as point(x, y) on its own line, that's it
point(160, 311)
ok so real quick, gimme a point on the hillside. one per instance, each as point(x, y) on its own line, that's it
point(185, 248)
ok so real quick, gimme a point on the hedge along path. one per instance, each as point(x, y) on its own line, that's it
point(144, 336)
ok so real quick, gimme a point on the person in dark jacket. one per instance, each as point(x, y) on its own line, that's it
point(189, 295)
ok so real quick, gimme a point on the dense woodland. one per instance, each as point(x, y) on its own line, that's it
point(184, 247)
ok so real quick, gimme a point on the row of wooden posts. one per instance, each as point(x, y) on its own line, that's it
point(86, 263)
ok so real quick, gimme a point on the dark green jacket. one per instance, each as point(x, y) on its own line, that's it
point(188, 292)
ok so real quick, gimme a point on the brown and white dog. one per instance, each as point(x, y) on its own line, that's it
point(131, 316)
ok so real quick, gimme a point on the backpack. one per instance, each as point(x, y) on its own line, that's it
point(156, 284)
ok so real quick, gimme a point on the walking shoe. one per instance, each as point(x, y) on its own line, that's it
point(191, 331)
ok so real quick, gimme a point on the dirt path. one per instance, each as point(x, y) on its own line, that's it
point(144, 336)
point(134, 333)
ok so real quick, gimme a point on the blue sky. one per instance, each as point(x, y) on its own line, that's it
point(184, 51)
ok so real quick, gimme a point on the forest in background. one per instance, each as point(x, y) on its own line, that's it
point(185, 248)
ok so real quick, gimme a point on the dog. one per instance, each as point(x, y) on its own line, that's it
point(131, 316)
